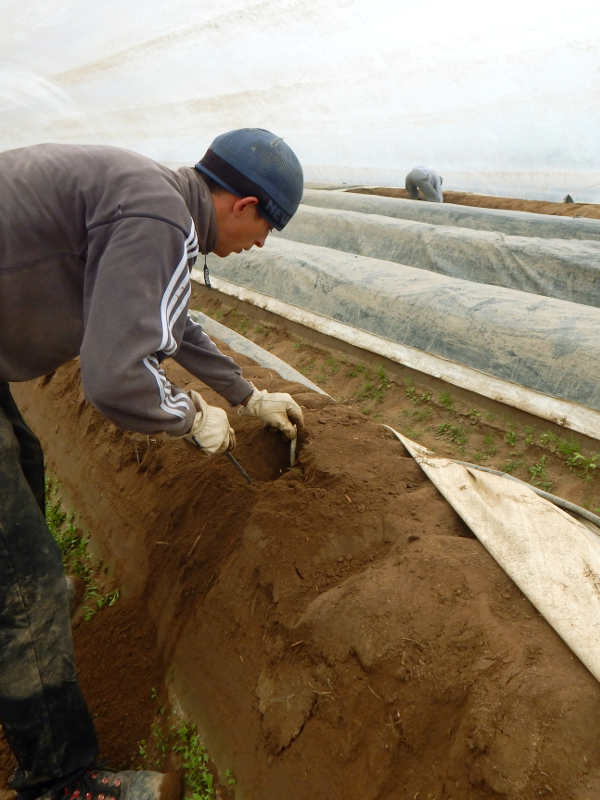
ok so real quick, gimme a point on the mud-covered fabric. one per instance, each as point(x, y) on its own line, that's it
point(42, 710)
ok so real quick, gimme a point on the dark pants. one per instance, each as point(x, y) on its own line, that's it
point(43, 713)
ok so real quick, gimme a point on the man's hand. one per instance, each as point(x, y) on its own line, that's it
point(278, 409)
point(210, 431)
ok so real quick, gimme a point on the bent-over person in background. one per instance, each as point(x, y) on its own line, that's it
point(425, 181)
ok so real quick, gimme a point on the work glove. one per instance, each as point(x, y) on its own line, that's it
point(277, 409)
point(210, 430)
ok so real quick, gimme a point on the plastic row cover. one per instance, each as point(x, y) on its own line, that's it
point(514, 223)
point(542, 343)
point(568, 270)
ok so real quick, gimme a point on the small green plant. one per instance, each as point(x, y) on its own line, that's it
point(453, 432)
point(354, 370)
point(198, 777)
point(510, 437)
point(74, 553)
point(511, 466)
point(548, 439)
point(72, 545)
point(98, 600)
point(182, 739)
point(230, 778)
point(568, 447)
point(490, 445)
point(307, 365)
point(333, 366)
point(375, 386)
point(447, 400)
point(537, 474)
point(585, 465)
point(421, 414)
point(417, 397)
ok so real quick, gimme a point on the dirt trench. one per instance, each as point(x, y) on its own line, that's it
point(334, 629)
point(575, 209)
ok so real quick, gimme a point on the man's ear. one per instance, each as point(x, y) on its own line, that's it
point(242, 203)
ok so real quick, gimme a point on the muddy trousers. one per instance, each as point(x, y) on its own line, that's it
point(44, 716)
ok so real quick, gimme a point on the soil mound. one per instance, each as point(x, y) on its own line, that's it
point(591, 210)
point(333, 628)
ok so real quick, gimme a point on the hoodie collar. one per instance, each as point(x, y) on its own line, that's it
point(199, 202)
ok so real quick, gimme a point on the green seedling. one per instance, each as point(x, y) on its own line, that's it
point(74, 552)
point(354, 370)
point(417, 397)
point(98, 600)
point(198, 777)
point(510, 437)
point(548, 439)
point(568, 447)
point(375, 387)
point(182, 740)
point(333, 366)
point(586, 466)
point(307, 365)
point(420, 414)
point(446, 400)
point(537, 474)
point(453, 432)
point(490, 444)
point(511, 466)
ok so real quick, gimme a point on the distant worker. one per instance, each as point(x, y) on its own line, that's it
point(426, 181)
point(96, 247)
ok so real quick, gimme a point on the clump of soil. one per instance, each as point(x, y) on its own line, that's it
point(334, 629)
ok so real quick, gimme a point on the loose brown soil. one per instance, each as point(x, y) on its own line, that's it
point(334, 628)
point(591, 210)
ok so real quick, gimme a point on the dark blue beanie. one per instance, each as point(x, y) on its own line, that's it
point(255, 162)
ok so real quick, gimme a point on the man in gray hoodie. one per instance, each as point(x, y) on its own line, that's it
point(96, 247)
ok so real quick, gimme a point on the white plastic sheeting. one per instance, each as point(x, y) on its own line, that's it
point(553, 558)
point(549, 345)
point(513, 223)
point(571, 415)
point(560, 268)
point(504, 101)
point(240, 344)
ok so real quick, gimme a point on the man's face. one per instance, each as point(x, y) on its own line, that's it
point(241, 229)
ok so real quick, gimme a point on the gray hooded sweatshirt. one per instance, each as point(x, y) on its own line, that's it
point(96, 246)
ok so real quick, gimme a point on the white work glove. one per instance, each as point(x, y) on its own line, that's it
point(210, 430)
point(278, 409)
